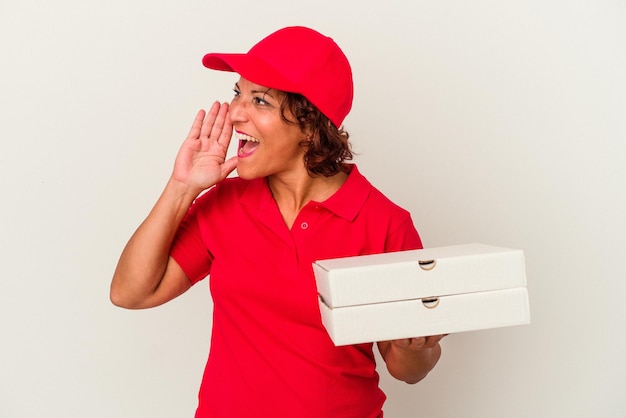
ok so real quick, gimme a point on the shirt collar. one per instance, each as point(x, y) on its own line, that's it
point(345, 202)
point(351, 196)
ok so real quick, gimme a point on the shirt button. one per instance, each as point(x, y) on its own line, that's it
point(304, 225)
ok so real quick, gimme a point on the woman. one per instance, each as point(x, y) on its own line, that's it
point(295, 200)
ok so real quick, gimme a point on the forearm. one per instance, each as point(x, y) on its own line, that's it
point(144, 260)
point(409, 365)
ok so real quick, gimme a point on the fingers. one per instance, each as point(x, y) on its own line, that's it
point(433, 340)
point(209, 125)
point(226, 132)
point(228, 166)
point(419, 343)
point(196, 126)
point(214, 124)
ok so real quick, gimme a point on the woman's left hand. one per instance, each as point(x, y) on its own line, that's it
point(410, 359)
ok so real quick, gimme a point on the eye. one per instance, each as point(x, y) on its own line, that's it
point(260, 101)
point(236, 93)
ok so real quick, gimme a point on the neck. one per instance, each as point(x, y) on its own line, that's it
point(293, 192)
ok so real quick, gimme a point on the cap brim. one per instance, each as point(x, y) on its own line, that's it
point(249, 67)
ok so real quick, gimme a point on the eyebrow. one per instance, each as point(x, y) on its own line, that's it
point(264, 92)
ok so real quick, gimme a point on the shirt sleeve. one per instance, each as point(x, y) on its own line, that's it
point(189, 249)
point(404, 238)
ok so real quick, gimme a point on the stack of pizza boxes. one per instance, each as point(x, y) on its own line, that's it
point(422, 292)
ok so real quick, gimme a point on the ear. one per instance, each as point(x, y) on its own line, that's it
point(307, 139)
point(308, 134)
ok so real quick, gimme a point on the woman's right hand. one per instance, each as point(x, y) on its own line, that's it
point(146, 274)
point(201, 161)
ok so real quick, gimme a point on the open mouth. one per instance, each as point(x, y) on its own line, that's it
point(247, 144)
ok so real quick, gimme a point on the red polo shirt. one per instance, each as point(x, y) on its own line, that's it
point(270, 354)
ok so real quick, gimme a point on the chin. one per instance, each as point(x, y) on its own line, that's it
point(247, 174)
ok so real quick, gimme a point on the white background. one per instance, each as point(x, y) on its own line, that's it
point(500, 122)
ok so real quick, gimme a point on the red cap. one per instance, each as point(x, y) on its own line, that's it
point(296, 60)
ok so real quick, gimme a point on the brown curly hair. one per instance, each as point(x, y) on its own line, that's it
point(326, 147)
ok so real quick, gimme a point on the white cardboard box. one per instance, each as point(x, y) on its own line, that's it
point(422, 292)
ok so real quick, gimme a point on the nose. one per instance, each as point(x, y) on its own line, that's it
point(237, 111)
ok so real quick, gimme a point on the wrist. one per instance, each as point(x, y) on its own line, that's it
point(175, 201)
point(179, 190)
